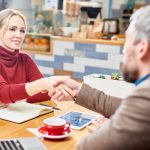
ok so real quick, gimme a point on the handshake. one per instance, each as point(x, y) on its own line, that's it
point(65, 89)
point(58, 87)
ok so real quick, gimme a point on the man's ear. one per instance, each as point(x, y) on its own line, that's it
point(143, 48)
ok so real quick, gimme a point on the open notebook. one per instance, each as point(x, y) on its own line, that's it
point(22, 111)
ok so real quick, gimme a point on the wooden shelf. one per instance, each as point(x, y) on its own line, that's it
point(96, 41)
point(38, 34)
point(37, 52)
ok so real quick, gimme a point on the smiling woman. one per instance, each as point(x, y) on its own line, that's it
point(20, 77)
point(14, 34)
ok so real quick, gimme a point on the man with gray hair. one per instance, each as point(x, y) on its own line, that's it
point(129, 125)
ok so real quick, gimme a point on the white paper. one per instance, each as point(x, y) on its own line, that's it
point(22, 111)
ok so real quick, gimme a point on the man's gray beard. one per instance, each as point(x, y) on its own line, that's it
point(129, 76)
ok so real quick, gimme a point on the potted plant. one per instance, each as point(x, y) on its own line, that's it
point(115, 76)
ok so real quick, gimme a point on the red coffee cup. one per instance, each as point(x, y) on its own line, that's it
point(56, 126)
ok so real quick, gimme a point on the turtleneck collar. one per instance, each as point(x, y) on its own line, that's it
point(6, 55)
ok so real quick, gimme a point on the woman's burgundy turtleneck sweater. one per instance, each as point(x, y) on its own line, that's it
point(16, 69)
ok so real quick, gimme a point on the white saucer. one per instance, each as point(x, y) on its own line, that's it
point(53, 136)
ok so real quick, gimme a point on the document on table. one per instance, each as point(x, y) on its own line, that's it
point(22, 111)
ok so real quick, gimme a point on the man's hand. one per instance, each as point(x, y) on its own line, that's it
point(66, 88)
point(96, 123)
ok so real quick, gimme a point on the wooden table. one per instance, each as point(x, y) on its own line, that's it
point(13, 130)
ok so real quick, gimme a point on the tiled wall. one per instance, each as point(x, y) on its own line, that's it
point(81, 58)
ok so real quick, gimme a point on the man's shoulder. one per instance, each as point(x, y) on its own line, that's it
point(144, 85)
point(141, 92)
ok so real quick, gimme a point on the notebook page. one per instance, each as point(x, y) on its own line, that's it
point(22, 111)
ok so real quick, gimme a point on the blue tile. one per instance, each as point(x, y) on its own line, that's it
point(78, 75)
point(96, 55)
point(69, 59)
point(121, 50)
point(57, 63)
point(44, 63)
point(60, 60)
point(85, 46)
point(90, 51)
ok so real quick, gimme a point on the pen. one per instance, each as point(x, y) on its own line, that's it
point(50, 106)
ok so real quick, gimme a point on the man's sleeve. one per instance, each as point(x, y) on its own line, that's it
point(98, 101)
point(128, 128)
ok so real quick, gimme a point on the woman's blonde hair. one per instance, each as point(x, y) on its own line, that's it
point(6, 14)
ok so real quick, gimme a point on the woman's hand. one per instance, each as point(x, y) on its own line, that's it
point(53, 85)
point(45, 85)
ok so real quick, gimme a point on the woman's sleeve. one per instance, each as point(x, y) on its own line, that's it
point(34, 73)
point(10, 93)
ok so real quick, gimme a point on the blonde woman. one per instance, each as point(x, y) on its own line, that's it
point(20, 77)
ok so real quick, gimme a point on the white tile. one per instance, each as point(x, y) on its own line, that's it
point(44, 57)
point(97, 63)
point(64, 44)
point(46, 70)
point(74, 67)
point(116, 57)
point(107, 48)
point(59, 51)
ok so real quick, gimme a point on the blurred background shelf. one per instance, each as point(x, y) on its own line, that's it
point(37, 43)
